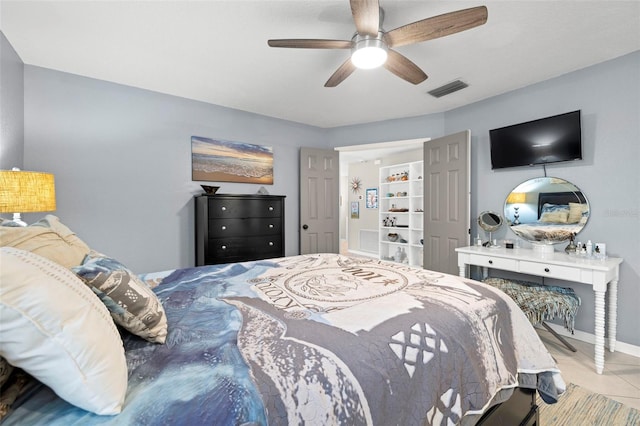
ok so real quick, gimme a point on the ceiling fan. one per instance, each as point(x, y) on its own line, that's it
point(371, 46)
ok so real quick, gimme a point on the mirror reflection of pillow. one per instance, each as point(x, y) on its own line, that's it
point(132, 304)
point(550, 208)
point(576, 212)
point(558, 216)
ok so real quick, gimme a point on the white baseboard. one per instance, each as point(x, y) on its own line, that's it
point(626, 348)
point(363, 253)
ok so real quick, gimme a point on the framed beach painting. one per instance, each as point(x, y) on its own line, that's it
point(217, 160)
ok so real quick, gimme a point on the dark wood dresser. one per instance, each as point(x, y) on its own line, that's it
point(237, 228)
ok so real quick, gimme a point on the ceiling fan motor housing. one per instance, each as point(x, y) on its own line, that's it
point(368, 51)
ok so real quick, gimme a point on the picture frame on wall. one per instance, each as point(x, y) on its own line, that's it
point(355, 210)
point(372, 198)
point(217, 160)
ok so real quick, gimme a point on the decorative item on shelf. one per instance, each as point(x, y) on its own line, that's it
point(400, 255)
point(404, 175)
point(401, 194)
point(390, 194)
point(393, 237)
point(571, 247)
point(26, 192)
point(600, 251)
point(210, 190)
point(421, 241)
point(263, 191)
point(419, 210)
point(356, 185)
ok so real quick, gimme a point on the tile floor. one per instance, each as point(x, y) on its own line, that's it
point(619, 381)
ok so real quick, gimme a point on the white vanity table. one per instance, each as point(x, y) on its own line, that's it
point(601, 274)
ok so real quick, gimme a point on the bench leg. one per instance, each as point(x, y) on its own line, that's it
point(559, 337)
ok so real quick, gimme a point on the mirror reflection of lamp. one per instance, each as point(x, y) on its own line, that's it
point(516, 198)
point(26, 192)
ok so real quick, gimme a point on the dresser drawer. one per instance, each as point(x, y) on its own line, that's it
point(493, 262)
point(224, 250)
point(223, 228)
point(556, 271)
point(244, 208)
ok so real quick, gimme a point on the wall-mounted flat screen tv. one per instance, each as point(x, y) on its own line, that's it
point(547, 140)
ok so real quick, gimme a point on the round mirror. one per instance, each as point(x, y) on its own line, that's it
point(546, 209)
point(489, 221)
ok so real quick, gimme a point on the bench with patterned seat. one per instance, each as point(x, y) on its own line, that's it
point(541, 303)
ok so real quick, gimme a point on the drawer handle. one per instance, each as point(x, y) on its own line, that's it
point(491, 262)
point(223, 208)
point(223, 227)
point(546, 269)
point(270, 208)
point(271, 225)
point(271, 243)
point(223, 247)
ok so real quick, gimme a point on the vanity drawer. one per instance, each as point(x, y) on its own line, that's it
point(556, 271)
point(493, 262)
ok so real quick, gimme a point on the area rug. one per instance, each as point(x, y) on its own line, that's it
point(580, 407)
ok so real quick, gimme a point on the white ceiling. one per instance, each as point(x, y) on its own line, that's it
point(216, 51)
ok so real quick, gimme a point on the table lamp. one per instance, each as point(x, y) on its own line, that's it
point(26, 192)
point(516, 198)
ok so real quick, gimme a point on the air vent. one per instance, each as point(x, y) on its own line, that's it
point(454, 86)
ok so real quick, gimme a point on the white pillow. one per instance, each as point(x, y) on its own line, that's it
point(55, 328)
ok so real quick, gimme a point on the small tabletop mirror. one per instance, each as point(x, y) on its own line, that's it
point(490, 222)
point(546, 210)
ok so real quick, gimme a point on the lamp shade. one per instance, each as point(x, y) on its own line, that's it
point(25, 192)
point(517, 198)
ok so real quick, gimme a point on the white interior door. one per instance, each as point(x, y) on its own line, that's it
point(446, 200)
point(319, 201)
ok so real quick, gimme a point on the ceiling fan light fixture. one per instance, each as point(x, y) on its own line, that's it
point(369, 52)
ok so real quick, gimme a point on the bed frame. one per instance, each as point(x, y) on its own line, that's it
point(521, 409)
point(559, 198)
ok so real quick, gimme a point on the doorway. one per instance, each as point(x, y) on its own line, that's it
point(359, 166)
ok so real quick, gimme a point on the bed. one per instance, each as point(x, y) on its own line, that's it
point(561, 215)
point(319, 339)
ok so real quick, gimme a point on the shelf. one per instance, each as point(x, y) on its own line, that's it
point(412, 233)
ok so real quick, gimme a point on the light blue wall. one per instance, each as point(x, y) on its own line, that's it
point(11, 106)
point(122, 161)
point(431, 125)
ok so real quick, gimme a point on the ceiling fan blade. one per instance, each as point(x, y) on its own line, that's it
point(341, 74)
point(366, 15)
point(404, 68)
point(437, 26)
point(302, 43)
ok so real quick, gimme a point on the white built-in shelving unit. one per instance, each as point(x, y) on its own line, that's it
point(401, 212)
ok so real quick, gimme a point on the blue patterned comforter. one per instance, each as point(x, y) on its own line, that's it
point(320, 340)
